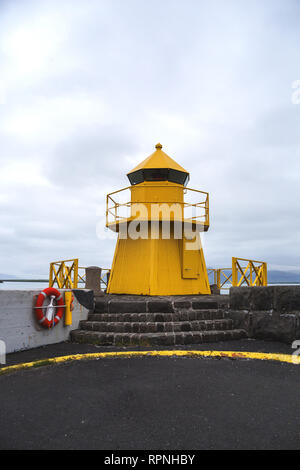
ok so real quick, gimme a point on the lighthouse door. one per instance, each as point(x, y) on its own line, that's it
point(191, 257)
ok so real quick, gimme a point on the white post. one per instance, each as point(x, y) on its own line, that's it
point(2, 352)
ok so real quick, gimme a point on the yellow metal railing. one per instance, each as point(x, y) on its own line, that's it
point(105, 272)
point(67, 274)
point(115, 208)
point(81, 274)
point(254, 273)
point(64, 274)
point(103, 281)
point(222, 277)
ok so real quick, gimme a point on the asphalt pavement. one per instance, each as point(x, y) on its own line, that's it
point(175, 403)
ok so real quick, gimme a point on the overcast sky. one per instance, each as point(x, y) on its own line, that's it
point(87, 88)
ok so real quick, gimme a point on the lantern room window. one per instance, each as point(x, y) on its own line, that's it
point(158, 174)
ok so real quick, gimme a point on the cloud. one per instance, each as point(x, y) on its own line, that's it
point(88, 88)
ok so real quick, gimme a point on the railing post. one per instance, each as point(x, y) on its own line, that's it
point(107, 202)
point(93, 279)
point(51, 275)
point(75, 281)
point(234, 272)
point(207, 209)
point(219, 278)
point(61, 275)
point(265, 274)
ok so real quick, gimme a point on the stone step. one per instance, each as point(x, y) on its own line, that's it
point(151, 306)
point(155, 339)
point(189, 315)
point(156, 327)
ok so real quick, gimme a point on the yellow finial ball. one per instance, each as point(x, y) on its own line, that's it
point(158, 146)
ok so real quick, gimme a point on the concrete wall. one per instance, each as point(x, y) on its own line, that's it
point(271, 312)
point(19, 328)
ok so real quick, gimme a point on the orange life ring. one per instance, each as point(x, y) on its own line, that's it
point(41, 318)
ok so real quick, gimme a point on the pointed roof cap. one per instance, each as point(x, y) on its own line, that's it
point(158, 159)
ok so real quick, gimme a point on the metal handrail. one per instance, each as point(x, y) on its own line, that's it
point(247, 273)
point(64, 275)
point(24, 280)
point(113, 209)
point(68, 277)
point(103, 272)
point(250, 274)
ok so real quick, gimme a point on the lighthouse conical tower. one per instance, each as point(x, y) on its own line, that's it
point(158, 250)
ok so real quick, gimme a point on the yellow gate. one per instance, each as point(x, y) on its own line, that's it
point(64, 274)
point(254, 274)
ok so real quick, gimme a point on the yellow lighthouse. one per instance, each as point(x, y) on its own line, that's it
point(159, 249)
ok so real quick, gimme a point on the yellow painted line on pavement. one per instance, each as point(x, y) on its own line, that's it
point(290, 359)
